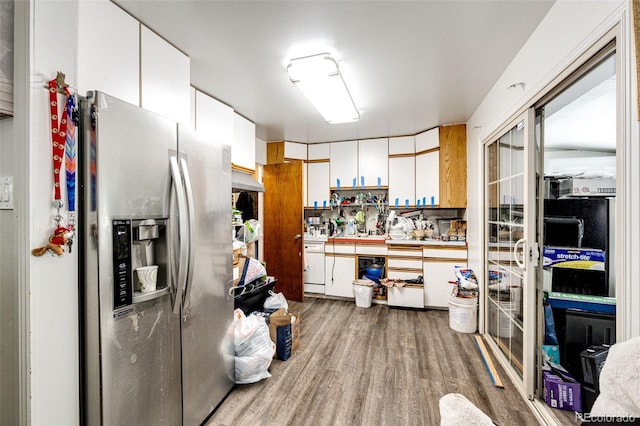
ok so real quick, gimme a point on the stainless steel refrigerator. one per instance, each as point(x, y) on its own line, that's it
point(152, 193)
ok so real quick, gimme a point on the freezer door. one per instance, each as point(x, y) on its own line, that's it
point(132, 353)
point(207, 336)
point(132, 152)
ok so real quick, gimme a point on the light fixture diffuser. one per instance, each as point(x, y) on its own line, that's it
point(319, 79)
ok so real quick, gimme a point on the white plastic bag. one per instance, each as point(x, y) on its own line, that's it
point(276, 301)
point(254, 349)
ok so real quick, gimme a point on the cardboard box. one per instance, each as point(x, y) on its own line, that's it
point(581, 187)
point(563, 257)
point(284, 329)
point(560, 393)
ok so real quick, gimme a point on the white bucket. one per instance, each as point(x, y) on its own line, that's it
point(364, 294)
point(463, 314)
point(501, 319)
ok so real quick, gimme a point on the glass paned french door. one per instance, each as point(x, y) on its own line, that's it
point(510, 247)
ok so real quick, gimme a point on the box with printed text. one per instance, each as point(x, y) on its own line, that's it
point(562, 393)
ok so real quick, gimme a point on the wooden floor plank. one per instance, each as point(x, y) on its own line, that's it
point(371, 366)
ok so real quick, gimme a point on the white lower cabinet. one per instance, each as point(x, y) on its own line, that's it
point(439, 269)
point(339, 273)
point(409, 296)
point(405, 263)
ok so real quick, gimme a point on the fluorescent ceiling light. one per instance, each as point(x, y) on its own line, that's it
point(319, 79)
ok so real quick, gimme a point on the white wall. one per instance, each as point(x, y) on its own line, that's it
point(568, 30)
point(53, 283)
point(53, 303)
point(9, 334)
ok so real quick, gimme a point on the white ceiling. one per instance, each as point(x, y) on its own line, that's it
point(410, 65)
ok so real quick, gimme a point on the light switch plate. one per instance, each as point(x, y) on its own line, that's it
point(6, 193)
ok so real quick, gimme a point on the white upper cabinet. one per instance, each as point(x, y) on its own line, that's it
point(373, 163)
point(318, 175)
point(165, 77)
point(261, 152)
point(108, 51)
point(428, 168)
point(318, 184)
point(319, 151)
point(295, 151)
point(402, 172)
point(402, 181)
point(213, 118)
point(402, 145)
point(427, 140)
point(344, 164)
point(243, 150)
point(428, 179)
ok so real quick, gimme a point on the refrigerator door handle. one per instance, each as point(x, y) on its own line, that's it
point(189, 192)
point(183, 231)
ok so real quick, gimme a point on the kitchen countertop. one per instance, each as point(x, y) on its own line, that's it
point(380, 239)
point(429, 243)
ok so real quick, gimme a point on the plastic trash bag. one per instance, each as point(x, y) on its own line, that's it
point(254, 348)
point(466, 278)
point(252, 269)
point(250, 232)
point(276, 301)
point(550, 337)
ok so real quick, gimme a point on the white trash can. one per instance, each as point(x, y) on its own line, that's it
point(463, 314)
point(364, 294)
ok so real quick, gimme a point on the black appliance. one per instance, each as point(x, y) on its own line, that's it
point(577, 330)
point(576, 223)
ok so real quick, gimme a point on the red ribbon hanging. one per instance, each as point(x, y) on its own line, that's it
point(58, 133)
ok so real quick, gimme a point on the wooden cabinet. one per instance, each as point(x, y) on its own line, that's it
point(428, 168)
point(402, 171)
point(243, 149)
point(108, 51)
point(438, 270)
point(165, 78)
point(453, 166)
point(340, 269)
point(441, 167)
point(343, 166)
point(373, 165)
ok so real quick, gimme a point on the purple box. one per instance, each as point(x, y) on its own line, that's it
point(560, 393)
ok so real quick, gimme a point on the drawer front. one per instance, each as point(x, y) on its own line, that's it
point(340, 248)
point(378, 250)
point(410, 263)
point(403, 274)
point(404, 251)
point(445, 253)
point(410, 297)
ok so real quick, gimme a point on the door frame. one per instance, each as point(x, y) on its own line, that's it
point(525, 384)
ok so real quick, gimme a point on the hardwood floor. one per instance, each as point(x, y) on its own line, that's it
point(375, 366)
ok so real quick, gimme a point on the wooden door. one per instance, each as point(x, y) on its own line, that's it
point(283, 227)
